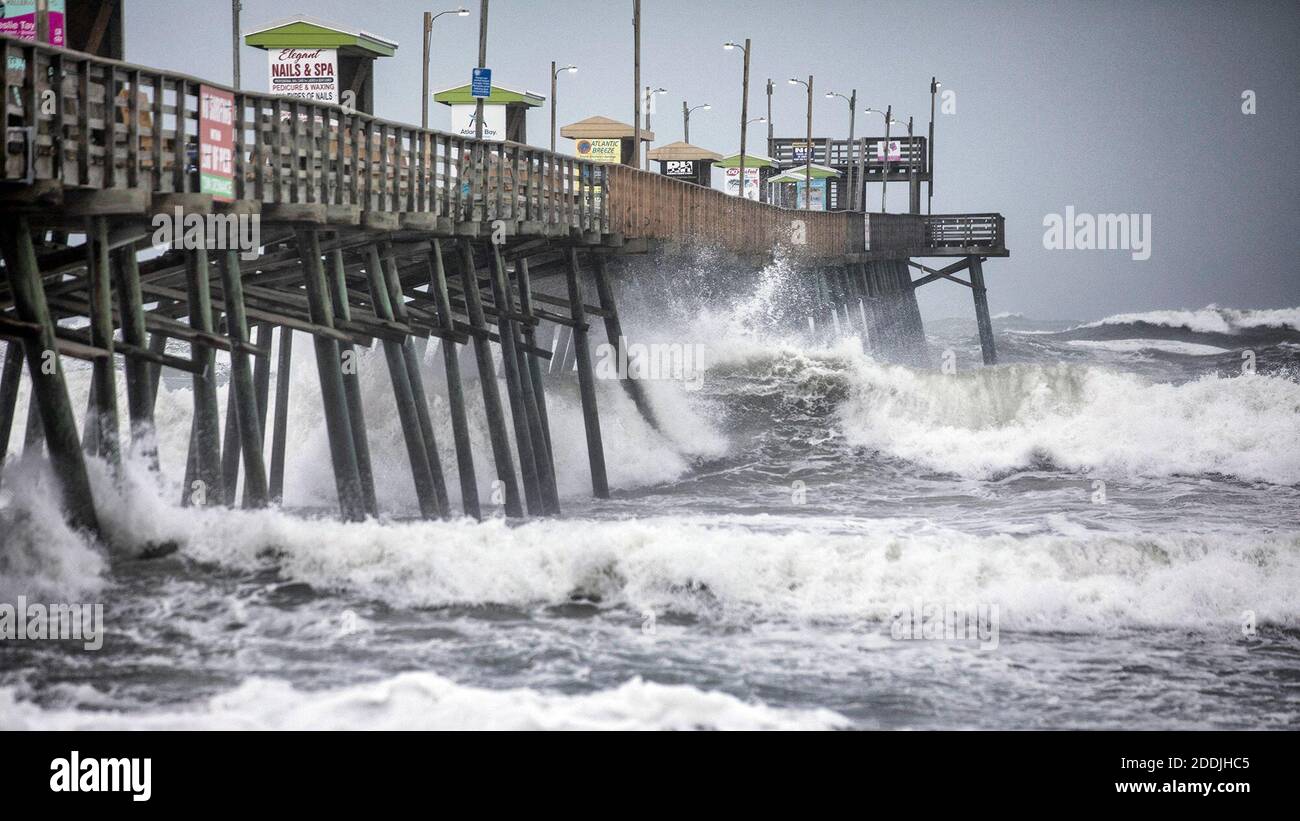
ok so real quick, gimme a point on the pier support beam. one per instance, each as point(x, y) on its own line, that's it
point(519, 412)
point(586, 379)
point(329, 365)
point(105, 427)
point(614, 333)
point(139, 375)
point(412, 364)
point(455, 390)
point(982, 318)
point(206, 440)
point(10, 376)
point(416, 451)
point(283, 376)
point(338, 287)
point(488, 382)
point(242, 388)
point(48, 387)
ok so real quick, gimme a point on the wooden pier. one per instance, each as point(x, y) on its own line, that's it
point(370, 230)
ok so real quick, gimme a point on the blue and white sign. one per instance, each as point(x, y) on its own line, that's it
point(481, 83)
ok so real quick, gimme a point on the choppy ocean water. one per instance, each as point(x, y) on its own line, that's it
point(1123, 494)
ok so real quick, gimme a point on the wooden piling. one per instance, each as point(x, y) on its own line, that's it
point(139, 377)
point(586, 378)
point(514, 386)
point(48, 386)
point(242, 387)
point(412, 363)
point(416, 452)
point(343, 454)
point(9, 381)
point(338, 287)
point(614, 333)
point(455, 391)
point(488, 382)
point(982, 318)
point(207, 430)
point(534, 366)
point(283, 376)
point(103, 374)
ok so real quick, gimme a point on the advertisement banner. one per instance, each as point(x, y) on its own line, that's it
point(18, 19)
point(605, 150)
point(308, 73)
point(217, 143)
point(895, 151)
point(679, 168)
point(816, 197)
point(494, 121)
point(751, 182)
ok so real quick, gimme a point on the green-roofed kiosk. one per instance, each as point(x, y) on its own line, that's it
point(758, 168)
point(315, 60)
point(505, 112)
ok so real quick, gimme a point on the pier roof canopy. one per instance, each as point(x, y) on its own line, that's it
point(751, 161)
point(597, 128)
point(302, 31)
point(460, 95)
point(797, 174)
point(683, 151)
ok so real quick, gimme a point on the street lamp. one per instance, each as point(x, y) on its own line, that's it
point(852, 100)
point(649, 97)
point(807, 174)
point(686, 118)
point(429, 17)
point(744, 106)
point(884, 173)
point(935, 85)
point(555, 73)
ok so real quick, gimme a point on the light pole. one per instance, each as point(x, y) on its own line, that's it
point(884, 171)
point(482, 63)
point(744, 107)
point(852, 100)
point(429, 17)
point(555, 73)
point(686, 119)
point(649, 98)
point(235, 6)
point(935, 85)
point(769, 116)
point(808, 147)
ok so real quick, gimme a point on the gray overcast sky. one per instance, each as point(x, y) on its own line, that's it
point(1107, 106)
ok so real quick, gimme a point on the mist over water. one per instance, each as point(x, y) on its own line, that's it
point(1124, 492)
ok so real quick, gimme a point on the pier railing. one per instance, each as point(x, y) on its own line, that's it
point(897, 235)
point(92, 123)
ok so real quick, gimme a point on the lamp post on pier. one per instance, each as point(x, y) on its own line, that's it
point(852, 100)
point(808, 146)
point(649, 100)
point(686, 118)
point(884, 171)
point(935, 85)
point(744, 107)
point(555, 74)
point(429, 17)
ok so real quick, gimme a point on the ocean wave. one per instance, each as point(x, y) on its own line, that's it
point(427, 701)
point(1210, 319)
point(987, 422)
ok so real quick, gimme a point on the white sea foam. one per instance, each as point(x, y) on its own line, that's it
point(986, 422)
point(1210, 319)
point(1135, 345)
point(426, 701)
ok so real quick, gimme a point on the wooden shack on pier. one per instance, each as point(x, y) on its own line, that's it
point(600, 139)
point(686, 162)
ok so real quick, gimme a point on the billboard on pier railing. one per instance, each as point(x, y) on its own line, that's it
point(18, 19)
point(752, 184)
point(603, 150)
point(217, 143)
point(494, 121)
point(307, 73)
point(895, 151)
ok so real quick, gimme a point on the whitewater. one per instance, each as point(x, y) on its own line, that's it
point(1125, 492)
